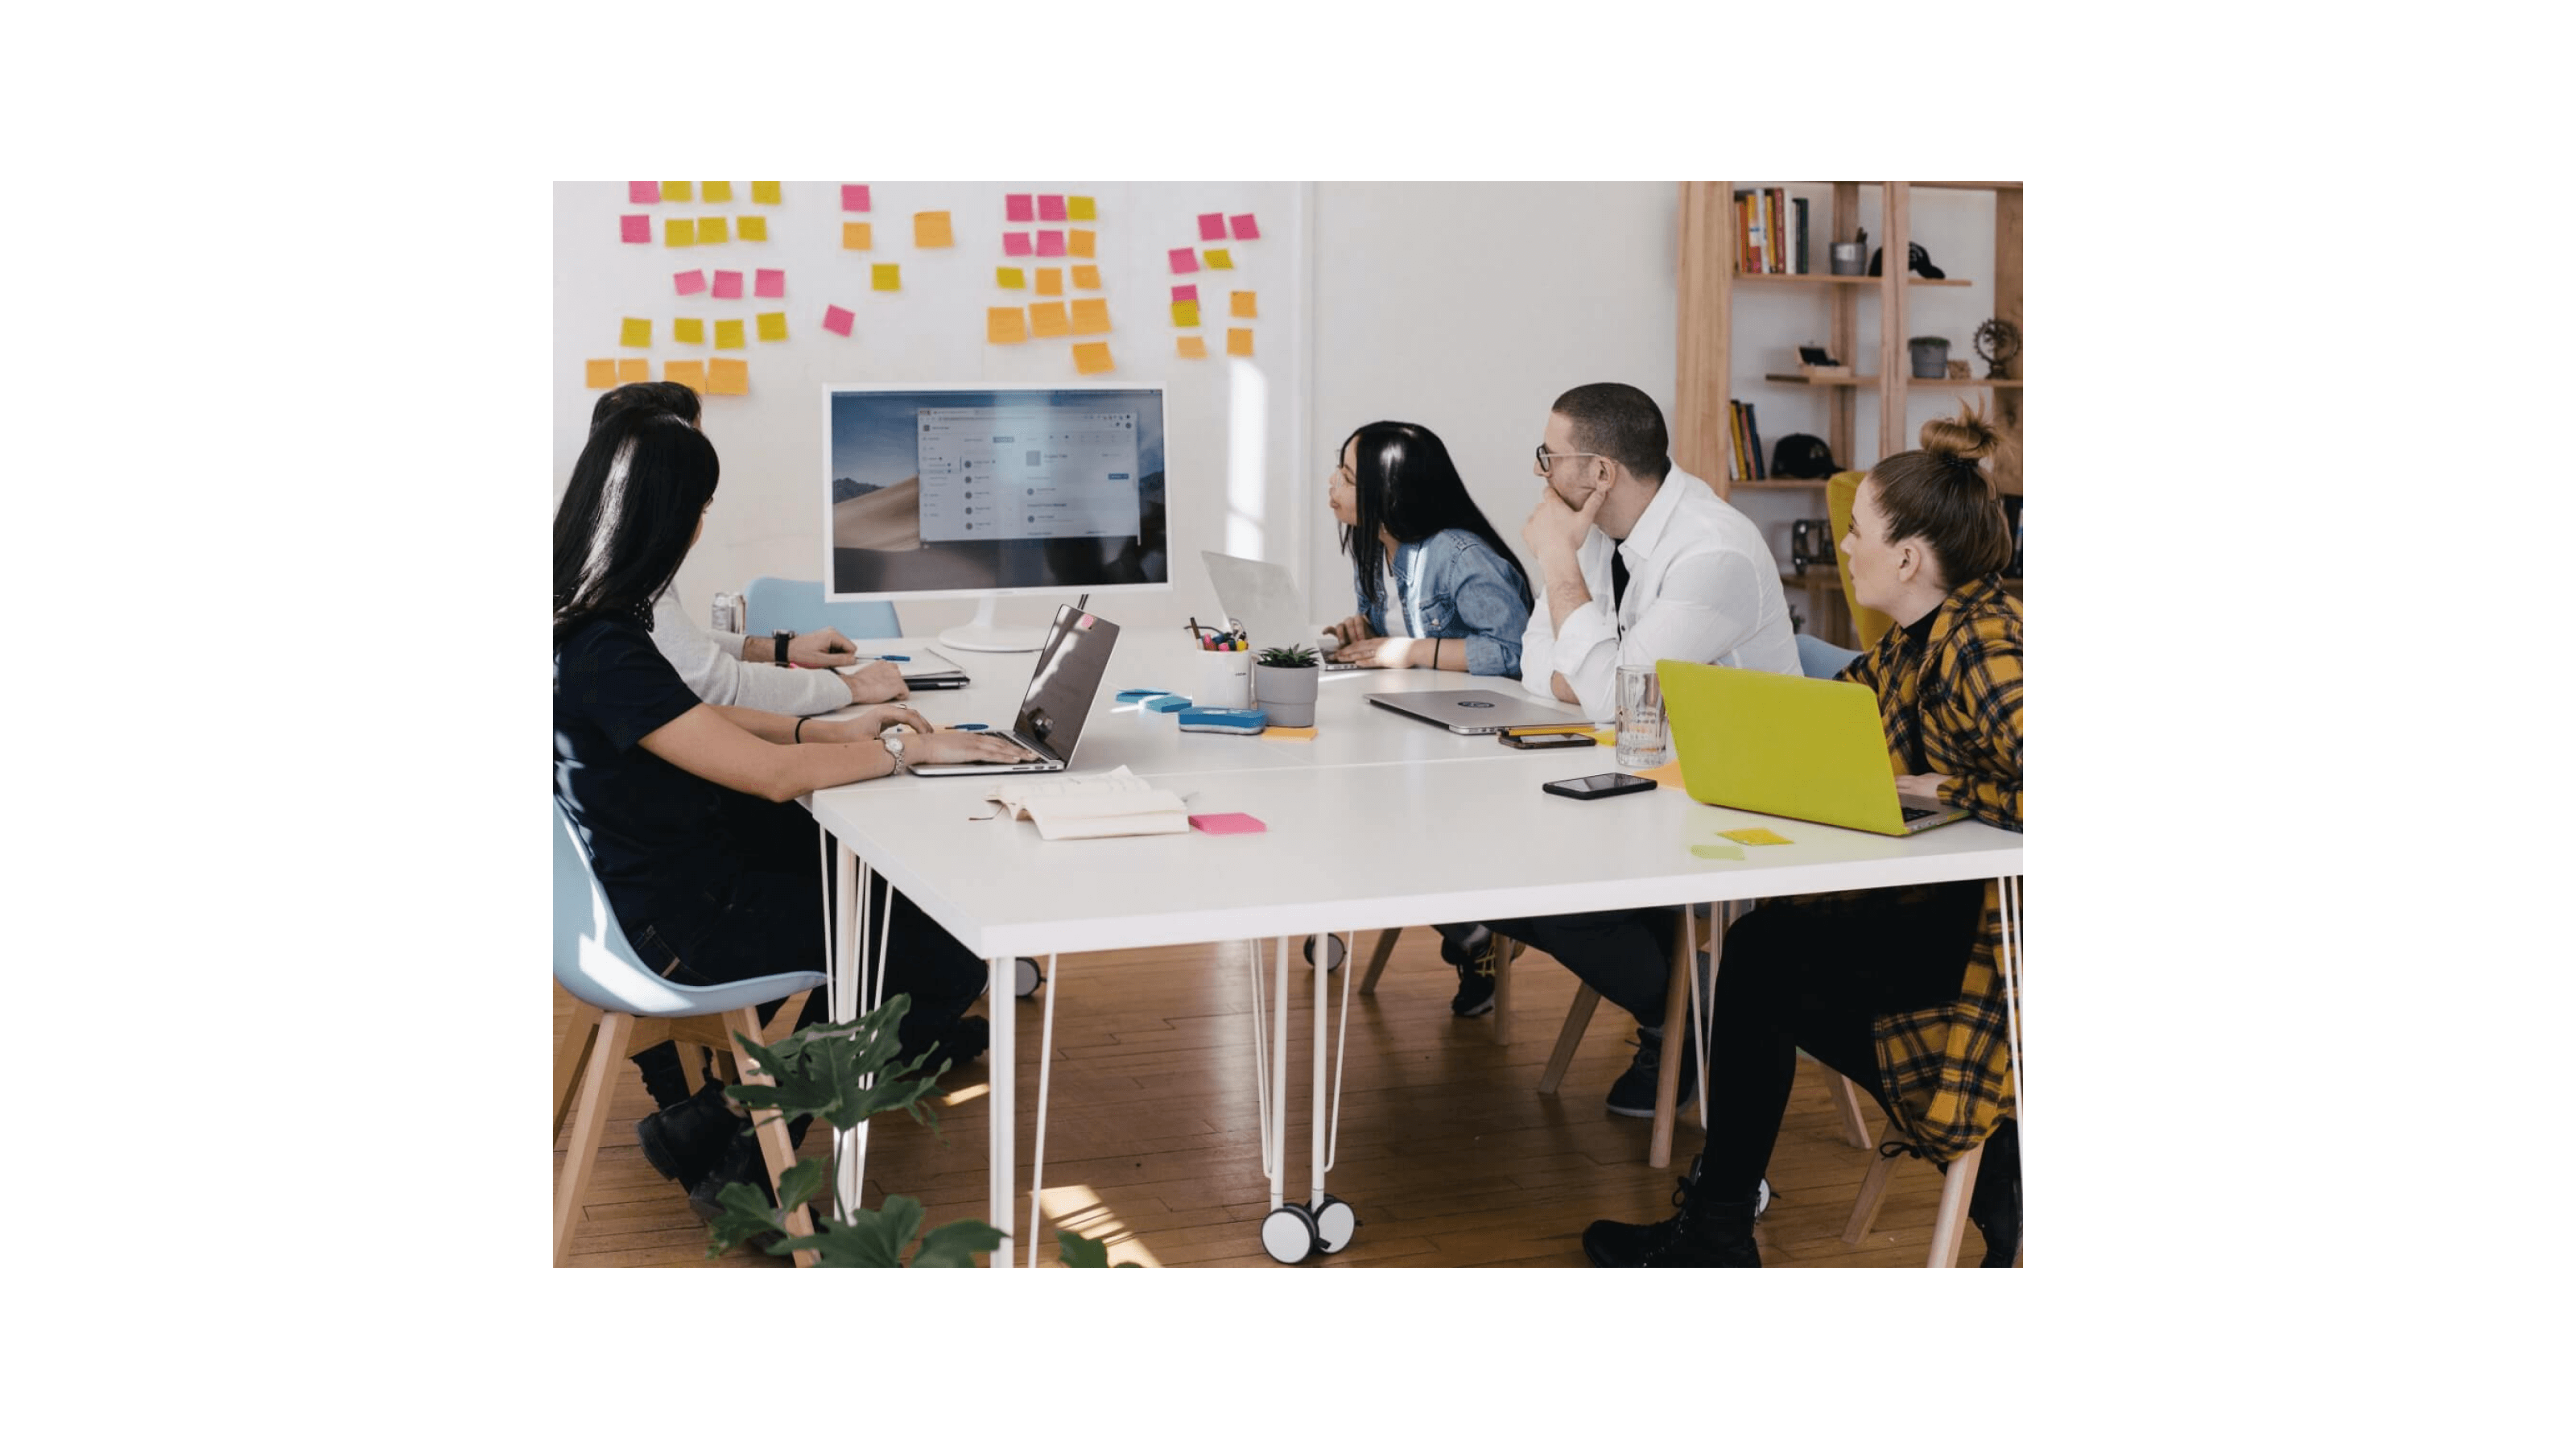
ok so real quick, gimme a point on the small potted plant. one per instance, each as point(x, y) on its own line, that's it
point(1283, 685)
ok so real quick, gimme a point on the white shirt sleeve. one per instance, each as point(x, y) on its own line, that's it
point(1587, 654)
point(1707, 608)
point(719, 675)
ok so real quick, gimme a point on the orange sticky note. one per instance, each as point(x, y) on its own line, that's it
point(1047, 319)
point(1185, 314)
point(930, 229)
point(857, 236)
point(690, 372)
point(1087, 278)
point(1050, 281)
point(888, 277)
point(599, 372)
point(1220, 260)
point(689, 329)
point(1238, 342)
point(1080, 243)
point(1005, 324)
point(715, 193)
point(635, 332)
point(1090, 315)
point(675, 191)
point(634, 369)
point(1091, 357)
point(728, 332)
point(764, 193)
point(1193, 346)
point(773, 326)
point(728, 375)
point(752, 228)
point(1244, 304)
point(679, 231)
point(1079, 208)
point(1010, 277)
point(711, 230)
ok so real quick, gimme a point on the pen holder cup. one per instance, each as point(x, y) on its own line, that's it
point(1224, 681)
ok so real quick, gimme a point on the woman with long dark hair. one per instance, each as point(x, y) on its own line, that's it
point(1459, 601)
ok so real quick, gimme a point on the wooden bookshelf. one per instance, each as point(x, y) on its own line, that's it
point(1828, 279)
point(1800, 379)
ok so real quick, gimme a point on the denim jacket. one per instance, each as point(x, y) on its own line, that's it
point(1453, 586)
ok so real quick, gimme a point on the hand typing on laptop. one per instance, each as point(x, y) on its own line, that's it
point(1387, 651)
point(962, 747)
point(1923, 792)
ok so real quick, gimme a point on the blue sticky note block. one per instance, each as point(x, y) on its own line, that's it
point(1138, 696)
point(1225, 721)
point(970, 727)
point(1168, 703)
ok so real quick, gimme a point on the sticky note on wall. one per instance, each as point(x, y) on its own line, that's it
point(679, 231)
point(689, 329)
point(711, 231)
point(772, 282)
point(728, 332)
point(1212, 226)
point(1192, 346)
point(1220, 260)
point(1087, 278)
point(1047, 319)
point(689, 372)
point(715, 193)
point(635, 229)
point(635, 332)
point(643, 193)
point(1238, 342)
point(1091, 357)
point(1010, 277)
point(1090, 315)
point(1080, 208)
point(728, 376)
point(688, 284)
point(857, 236)
point(930, 229)
point(1016, 244)
point(773, 326)
point(1185, 314)
point(854, 198)
point(1019, 206)
point(1246, 229)
point(838, 319)
point(752, 228)
point(886, 277)
point(1050, 281)
point(1186, 292)
point(728, 284)
point(1185, 260)
point(1246, 304)
point(1050, 243)
point(764, 193)
point(634, 369)
point(1005, 324)
point(1051, 208)
point(675, 191)
point(600, 372)
point(1081, 243)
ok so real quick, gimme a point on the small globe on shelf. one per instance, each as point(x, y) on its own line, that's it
point(1998, 342)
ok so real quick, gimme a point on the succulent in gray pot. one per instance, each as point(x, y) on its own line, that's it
point(1283, 685)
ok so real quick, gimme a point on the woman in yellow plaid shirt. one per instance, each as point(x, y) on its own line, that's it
point(1896, 989)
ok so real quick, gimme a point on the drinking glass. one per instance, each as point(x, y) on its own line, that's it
point(1641, 718)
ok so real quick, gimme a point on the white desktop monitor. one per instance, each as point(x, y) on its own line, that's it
point(977, 491)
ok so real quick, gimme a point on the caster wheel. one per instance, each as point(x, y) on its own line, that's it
point(1334, 1224)
point(1288, 1234)
point(1030, 979)
point(1333, 953)
point(1761, 1199)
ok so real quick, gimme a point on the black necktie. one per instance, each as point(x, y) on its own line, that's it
point(1618, 580)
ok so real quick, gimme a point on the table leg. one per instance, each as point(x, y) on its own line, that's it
point(1046, 1069)
point(1316, 1159)
point(1002, 974)
point(1279, 1077)
point(849, 1149)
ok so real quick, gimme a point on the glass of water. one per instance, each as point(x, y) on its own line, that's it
point(1641, 718)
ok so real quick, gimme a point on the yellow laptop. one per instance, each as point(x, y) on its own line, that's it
point(1781, 744)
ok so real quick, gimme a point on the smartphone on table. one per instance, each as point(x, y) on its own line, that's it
point(1598, 787)
point(1548, 740)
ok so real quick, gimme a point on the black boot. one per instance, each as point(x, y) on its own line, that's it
point(1994, 1204)
point(686, 1141)
point(1707, 1233)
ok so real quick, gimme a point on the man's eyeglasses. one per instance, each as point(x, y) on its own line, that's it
point(1547, 460)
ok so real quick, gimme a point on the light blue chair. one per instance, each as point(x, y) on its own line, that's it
point(797, 604)
point(1816, 658)
point(594, 963)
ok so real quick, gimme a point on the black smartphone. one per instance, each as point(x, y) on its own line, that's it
point(1548, 740)
point(1598, 787)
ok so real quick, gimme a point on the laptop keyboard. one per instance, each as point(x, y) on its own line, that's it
point(1917, 813)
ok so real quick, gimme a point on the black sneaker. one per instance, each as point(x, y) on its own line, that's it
point(742, 1163)
point(1476, 957)
point(1705, 1233)
point(1633, 1095)
point(685, 1141)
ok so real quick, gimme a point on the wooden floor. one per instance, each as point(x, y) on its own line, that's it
point(1448, 1152)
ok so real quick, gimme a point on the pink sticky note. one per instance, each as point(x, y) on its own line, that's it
point(1185, 259)
point(1212, 226)
point(643, 193)
point(1246, 229)
point(1050, 243)
point(1050, 208)
point(769, 282)
point(1186, 293)
point(837, 319)
point(688, 283)
point(635, 228)
point(728, 284)
point(1015, 207)
point(1015, 243)
point(854, 198)
point(1233, 824)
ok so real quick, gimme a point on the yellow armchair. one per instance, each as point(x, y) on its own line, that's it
point(1840, 490)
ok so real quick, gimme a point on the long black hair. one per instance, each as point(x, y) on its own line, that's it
point(627, 519)
point(1407, 485)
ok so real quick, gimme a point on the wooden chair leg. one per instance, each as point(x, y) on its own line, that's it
point(590, 1125)
point(1873, 1191)
point(1950, 1224)
point(1668, 1073)
point(770, 1127)
point(1378, 960)
point(1846, 1095)
point(690, 1056)
point(572, 1053)
point(1577, 1018)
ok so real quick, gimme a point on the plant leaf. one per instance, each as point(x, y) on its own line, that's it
point(800, 1182)
point(954, 1245)
point(743, 1214)
point(1082, 1252)
point(835, 1244)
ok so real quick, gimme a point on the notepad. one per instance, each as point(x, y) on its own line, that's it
point(1092, 807)
point(1235, 823)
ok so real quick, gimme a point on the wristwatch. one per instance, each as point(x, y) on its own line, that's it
point(778, 643)
point(894, 746)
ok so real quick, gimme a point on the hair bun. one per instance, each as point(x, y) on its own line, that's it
point(1966, 436)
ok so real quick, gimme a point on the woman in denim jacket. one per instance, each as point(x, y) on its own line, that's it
point(1460, 600)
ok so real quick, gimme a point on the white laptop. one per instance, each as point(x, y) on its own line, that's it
point(1263, 599)
point(1478, 711)
point(1059, 697)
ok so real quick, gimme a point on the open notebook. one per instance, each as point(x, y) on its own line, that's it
point(1092, 807)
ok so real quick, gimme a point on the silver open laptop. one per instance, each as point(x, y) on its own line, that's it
point(1477, 711)
point(1059, 697)
point(1264, 600)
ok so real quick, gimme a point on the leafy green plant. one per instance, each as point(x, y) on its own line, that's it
point(1291, 656)
point(846, 1073)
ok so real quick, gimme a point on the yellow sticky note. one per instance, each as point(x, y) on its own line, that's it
point(1079, 208)
point(930, 229)
point(1087, 278)
point(1081, 243)
point(716, 193)
point(634, 369)
point(1090, 315)
point(711, 230)
point(1706, 851)
point(675, 191)
point(1047, 319)
point(1755, 835)
point(773, 326)
point(1246, 304)
point(728, 332)
point(635, 332)
point(752, 228)
point(1288, 732)
point(1220, 260)
point(764, 193)
point(599, 372)
point(1193, 346)
point(1185, 314)
point(1009, 277)
point(1050, 281)
point(689, 329)
point(1238, 342)
point(689, 372)
point(728, 375)
point(856, 236)
point(1005, 324)
point(888, 277)
point(679, 231)
point(1091, 357)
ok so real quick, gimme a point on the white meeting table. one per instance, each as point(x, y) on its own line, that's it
point(1378, 823)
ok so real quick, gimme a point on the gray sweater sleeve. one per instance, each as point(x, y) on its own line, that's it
point(719, 676)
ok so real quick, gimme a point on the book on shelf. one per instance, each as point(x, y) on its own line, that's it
point(1753, 443)
point(1798, 258)
point(1744, 443)
point(1770, 232)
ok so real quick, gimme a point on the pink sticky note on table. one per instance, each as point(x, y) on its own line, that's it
point(1186, 293)
point(643, 193)
point(1246, 229)
point(1016, 207)
point(1212, 226)
point(837, 319)
point(854, 198)
point(728, 284)
point(1185, 259)
point(688, 284)
point(1235, 824)
point(1050, 208)
point(769, 282)
point(635, 229)
point(1015, 243)
point(1050, 243)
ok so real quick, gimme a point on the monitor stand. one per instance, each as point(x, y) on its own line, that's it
point(983, 636)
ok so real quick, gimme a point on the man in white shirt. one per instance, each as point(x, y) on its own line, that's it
point(735, 669)
point(1638, 561)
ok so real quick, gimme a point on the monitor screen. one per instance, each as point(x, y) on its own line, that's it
point(984, 491)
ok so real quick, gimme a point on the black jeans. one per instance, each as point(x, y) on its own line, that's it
point(1624, 955)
